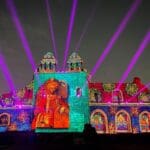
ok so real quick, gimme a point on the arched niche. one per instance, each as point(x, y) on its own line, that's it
point(99, 120)
point(144, 121)
point(122, 122)
point(95, 96)
point(4, 119)
point(117, 96)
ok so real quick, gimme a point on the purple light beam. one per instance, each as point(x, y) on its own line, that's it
point(146, 86)
point(116, 35)
point(134, 59)
point(12, 9)
point(73, 10)
point(51, 28)
point(6, 73)
point(85, 27)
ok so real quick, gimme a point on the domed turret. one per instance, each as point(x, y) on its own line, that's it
point(75, 63)
point(48, 63)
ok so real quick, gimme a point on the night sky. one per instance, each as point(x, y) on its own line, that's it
point(108, 15)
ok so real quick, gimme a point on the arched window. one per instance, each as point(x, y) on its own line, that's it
point(99, 120)
point(50, 66)
point(144, 120)
point(40, 67)
point(123, 122)
point(95, 96)
point(78, 92)
point(117, 96)
point(45, 66)
point(71, 66)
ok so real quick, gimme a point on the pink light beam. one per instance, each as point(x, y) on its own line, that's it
point(134, 59)
point(70, 27)
point(12, 9)
point(51, 28)
point(116, 35)
point(6, 73)
point(85, 28)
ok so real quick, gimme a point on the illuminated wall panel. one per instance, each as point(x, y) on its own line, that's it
point(78, 104)
point(13, 119)
point(120, 119)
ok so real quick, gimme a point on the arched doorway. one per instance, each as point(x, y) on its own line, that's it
point(122, 122)
point(99, 120)
point(144, 121)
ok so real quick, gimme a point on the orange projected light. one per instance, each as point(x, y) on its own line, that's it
point(52, 110)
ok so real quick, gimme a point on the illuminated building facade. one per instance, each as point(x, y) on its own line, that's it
point(64, 101)
point(120, 111)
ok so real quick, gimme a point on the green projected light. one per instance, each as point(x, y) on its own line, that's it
point(77, 98)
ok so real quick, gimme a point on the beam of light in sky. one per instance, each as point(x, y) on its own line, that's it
point(51, 28)
point(116, 35)
point(20, 31)
point(134, 59)
point(70, 27)
point(146, 86)
point(12, 9)
point(85, 27)
point(6, 73)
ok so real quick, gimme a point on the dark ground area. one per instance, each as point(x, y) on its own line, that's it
point(44, 141)
point(29, 140)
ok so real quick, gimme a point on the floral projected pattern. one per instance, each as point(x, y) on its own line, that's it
point(52, 110)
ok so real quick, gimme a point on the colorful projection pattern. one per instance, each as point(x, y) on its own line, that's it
point(15, 119)
point(120, 119)
point(64, 102)
point(99, 121)
point(144, 120)
point(51, 109)
point(123, 122)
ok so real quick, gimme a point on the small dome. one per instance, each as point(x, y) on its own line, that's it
point(49, 57)
point(48, 63)
point(75, 63)
point(74, 58)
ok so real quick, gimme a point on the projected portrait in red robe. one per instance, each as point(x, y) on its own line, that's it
point(52, 110)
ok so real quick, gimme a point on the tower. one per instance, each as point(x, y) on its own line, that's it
point(61, 98)
point(48, 63)
point(75, 63)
